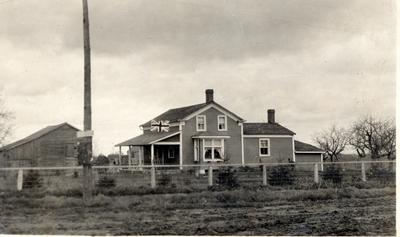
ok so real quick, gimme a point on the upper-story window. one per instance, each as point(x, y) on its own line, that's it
point(222, 123)
point(264, 147)
point(201, 123)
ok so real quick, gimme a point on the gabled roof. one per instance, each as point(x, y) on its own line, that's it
point(178, 114)
point(265, 129)
point(36, 135)
point(304, 147)
point(174, 115)
point(147, 138)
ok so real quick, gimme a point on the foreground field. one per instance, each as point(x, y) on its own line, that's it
point(348, 211)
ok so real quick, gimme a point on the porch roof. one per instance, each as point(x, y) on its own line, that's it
point(147, 138)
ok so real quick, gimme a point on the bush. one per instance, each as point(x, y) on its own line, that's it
point(165, 180)
point(105, 182)
point(32, 180)
point(333, 173)
point(384, 175)
point(282, 175)
point(227, 178)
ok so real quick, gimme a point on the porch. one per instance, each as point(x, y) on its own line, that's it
point(162, 148)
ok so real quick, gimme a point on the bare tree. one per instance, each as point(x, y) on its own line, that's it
point(333, 141)
point(374, 137)
point(5, 122)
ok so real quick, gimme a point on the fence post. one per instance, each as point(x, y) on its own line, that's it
point(363, 176)
point(316, 178)
point(20, 179)
point(264, 175)
point(210, 176)
point(153, 177)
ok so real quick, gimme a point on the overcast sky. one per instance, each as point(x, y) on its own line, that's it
point(315, 62)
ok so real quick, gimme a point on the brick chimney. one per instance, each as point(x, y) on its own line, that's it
point(209, 95)
point(271, 116)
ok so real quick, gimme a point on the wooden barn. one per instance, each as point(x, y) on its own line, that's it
point(50, 146)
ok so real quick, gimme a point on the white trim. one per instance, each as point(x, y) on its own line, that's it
point(152, 154)
point(309, 152)
point(322, 162)
point(212, 151)
point(197, 123)
point(293, 149)
point(167, 143)
point(196, 149)
point(212, 105)
point(210, 137)
point(259, 146)
point(241, 140)
point(160, 139)
point(180, 146)
point(266, 136)
point(226, 122)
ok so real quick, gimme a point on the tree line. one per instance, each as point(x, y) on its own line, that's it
point(368, 137)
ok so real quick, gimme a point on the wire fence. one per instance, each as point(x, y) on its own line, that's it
point(120, 180)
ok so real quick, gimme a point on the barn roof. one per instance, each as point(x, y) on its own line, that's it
point(304, 147)
point(35, 136)
point(177, 114)
point(147, 138)
point(265, 129)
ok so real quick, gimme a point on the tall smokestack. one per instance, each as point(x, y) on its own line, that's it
point(271, 116)
point(209, 95)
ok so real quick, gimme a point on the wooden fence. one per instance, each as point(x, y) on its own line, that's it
point(147, 174)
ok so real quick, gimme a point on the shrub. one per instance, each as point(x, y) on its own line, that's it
point(105, 182)
point(333, 173)
point(32, 180)
point(165, 179)
point(384, 175)
point(227, 178)
point(76, 174)
point(282, 175)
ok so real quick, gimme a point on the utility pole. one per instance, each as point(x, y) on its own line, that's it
point(85, 137)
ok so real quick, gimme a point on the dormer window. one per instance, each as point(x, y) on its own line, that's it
point(201, 123)
point(222, 123)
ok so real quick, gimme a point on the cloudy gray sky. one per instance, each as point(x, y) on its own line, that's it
point(316, 62)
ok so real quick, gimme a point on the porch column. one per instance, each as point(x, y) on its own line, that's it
point(119, 156)
point(140, 156)
point(129, 157)
point(152, 154)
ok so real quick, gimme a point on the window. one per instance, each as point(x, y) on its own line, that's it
point(201, 123)
point(213, 149)
point(222, 123)
point(264, 147)
point(171, 153)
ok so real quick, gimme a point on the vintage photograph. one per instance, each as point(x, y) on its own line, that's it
point(188, 117)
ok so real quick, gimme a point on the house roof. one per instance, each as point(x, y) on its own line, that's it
point(35, 136)
point(304, 147)
point(174, 115)
point(265, 129)
point(147, 138)
point(177, 114)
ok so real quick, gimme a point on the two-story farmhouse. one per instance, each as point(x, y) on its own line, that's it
point(208, 132)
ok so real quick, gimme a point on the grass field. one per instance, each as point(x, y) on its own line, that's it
point(345, 211)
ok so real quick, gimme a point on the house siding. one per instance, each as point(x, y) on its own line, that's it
point(281, 149)
point(307, 157)
point(52, 149)
point(232, 144)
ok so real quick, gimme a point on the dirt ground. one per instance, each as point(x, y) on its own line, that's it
point(206, 213)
